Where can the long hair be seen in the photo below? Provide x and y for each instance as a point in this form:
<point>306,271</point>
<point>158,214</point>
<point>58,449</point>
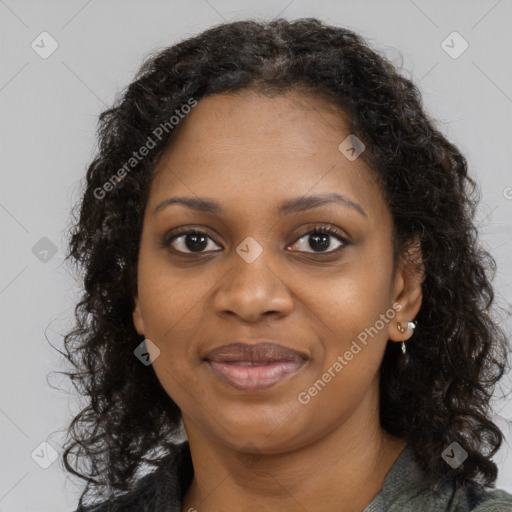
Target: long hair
<point>439,395</point>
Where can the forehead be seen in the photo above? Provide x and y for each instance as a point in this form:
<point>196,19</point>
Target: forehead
<point>263,151</point>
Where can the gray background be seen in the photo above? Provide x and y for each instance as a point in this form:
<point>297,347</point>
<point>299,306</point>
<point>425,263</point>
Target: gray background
<point>48,115</point>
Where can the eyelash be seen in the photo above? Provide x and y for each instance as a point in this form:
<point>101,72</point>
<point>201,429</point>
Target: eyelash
<point>324,229</point>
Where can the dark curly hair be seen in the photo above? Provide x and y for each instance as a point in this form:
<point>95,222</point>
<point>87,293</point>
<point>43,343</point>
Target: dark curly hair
<point>439,393</point>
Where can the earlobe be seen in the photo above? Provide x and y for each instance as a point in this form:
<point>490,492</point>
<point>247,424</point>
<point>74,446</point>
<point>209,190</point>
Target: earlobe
<point>138,321</point>
<point>401,329</point>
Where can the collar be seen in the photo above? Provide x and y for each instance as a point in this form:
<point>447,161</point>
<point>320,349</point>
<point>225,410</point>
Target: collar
<point>402,484</point>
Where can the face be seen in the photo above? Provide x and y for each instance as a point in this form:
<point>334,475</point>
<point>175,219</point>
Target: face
<point>255,269</point>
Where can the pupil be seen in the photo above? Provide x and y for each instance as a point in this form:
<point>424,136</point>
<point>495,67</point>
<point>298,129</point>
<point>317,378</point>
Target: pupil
<point>321,241</point>
<point>198,242</point>
<point>195,245</point>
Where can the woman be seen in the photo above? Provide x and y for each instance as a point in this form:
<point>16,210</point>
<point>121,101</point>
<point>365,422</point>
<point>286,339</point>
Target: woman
<point>280,258</point>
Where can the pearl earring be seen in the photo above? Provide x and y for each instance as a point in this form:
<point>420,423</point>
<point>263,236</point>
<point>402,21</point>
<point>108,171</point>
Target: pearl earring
<point>410,327</point>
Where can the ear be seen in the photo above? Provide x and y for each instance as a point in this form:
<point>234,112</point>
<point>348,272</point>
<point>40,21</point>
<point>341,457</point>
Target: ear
<point>407,292</point>
<point>138,321</point>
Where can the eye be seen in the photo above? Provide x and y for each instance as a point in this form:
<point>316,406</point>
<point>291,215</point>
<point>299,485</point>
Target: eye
<point>190,241</point>
<point>193,240</point>
<point>320,238</point>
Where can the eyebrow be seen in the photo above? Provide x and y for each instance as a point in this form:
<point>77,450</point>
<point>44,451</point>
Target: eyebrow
<point>295,205</point>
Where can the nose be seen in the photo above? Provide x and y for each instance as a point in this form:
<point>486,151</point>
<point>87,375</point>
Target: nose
<point>253,290</point>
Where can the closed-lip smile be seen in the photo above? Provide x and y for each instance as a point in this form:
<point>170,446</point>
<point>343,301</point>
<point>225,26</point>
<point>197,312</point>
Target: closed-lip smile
<point>253,367</point>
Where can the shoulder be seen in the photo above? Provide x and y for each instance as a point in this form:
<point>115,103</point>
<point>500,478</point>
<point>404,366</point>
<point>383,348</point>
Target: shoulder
<point>447,497</point>
<point>495,500</point>
<point>473,497</point>
<point>407,487</point>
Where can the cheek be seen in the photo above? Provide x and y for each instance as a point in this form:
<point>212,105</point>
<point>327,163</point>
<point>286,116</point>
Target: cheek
<point>172,317</point>
<point>353,341</point>
<point>351,314</point>
<point>169,297</point>
<point>350,300</point>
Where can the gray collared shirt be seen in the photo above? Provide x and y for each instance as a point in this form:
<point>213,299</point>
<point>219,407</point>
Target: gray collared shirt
<point>402,491</point>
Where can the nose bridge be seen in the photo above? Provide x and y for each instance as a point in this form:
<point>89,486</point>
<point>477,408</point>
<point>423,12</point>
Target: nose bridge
<point>253,285</point>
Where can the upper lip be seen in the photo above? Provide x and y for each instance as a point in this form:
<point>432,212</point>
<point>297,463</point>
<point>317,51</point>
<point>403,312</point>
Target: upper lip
<point>262,352</point>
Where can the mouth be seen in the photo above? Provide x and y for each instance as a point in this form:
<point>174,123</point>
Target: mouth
<point>254,367</point>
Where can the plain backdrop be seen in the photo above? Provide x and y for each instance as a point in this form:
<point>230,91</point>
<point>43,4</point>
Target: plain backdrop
<point>48,117</point>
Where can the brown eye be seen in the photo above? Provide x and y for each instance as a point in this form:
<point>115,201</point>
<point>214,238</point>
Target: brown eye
<point>320,239</point>
<point>189,241</point>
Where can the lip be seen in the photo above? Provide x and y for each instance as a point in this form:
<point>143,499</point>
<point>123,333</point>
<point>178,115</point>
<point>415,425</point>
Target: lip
<point>254,367</point>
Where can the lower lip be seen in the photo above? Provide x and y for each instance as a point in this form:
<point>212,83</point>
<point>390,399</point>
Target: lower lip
<point>254,378</point>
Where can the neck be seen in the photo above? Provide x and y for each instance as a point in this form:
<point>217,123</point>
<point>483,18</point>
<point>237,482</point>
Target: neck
<point>341,471</point>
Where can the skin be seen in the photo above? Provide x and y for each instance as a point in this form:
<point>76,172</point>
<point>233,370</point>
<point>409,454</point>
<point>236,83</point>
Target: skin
<point>265,450</point>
